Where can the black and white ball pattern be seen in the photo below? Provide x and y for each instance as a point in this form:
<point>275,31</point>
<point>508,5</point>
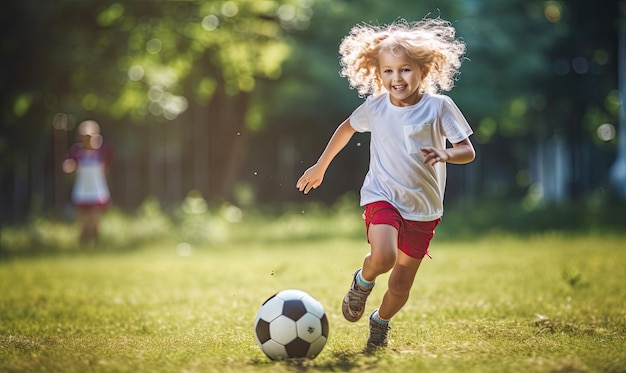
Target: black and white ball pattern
<point>291,324</point>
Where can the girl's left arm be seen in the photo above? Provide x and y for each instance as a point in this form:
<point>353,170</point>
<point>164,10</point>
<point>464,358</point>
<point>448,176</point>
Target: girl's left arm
<point>460,153</point>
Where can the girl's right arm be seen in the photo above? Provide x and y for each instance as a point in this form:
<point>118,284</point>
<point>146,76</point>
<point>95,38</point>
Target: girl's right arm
<point>312,178</point>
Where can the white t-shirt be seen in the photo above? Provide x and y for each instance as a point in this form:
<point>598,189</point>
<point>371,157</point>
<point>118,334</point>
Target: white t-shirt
<point>90,187</point>
<point>397,173</point>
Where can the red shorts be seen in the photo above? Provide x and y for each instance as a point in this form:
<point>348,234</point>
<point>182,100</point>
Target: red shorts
<point>413,236</point>
<point>83,208</point>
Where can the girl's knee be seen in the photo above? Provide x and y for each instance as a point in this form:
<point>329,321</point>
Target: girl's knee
<point>384,260</point>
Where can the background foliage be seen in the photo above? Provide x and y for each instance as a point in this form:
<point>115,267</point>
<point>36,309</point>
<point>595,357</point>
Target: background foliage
<point>232,100</point>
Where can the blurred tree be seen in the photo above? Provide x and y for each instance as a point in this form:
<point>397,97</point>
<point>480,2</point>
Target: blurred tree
<point>500,87</point>
<point>147,63</point>
<point>583,93</point>
<point>211,94</point>
<point>538,79</point>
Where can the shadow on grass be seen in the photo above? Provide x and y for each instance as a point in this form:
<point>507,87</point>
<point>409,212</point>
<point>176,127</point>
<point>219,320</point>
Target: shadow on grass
<point>339,361</point>
<point>345,361</point>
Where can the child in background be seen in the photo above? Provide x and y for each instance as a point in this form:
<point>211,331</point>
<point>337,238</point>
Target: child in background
<point>90,194</point>
<point>401,67</point>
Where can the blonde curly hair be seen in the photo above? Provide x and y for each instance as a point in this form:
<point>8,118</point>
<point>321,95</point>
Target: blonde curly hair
<point>430,42</point>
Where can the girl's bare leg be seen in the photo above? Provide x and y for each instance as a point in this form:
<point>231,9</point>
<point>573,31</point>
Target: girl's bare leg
<point>399,285</point>
<point>90,220</point>
<point>384,251</point>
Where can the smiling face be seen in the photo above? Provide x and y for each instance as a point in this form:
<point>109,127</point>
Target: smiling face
<point>401,77</point>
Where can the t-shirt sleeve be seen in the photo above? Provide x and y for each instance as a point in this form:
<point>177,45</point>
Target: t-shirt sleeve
<point>455,125</point>
<point>359,119</point>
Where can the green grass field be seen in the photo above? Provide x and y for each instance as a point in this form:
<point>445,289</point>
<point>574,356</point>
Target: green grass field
<point>546,303</point>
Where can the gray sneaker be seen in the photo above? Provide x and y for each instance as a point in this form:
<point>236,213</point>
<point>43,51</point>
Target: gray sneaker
<point>378,336</point>
<point>354,302</point>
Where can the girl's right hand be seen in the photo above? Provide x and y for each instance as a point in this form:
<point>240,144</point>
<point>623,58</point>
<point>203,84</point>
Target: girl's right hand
<point>311,178</point>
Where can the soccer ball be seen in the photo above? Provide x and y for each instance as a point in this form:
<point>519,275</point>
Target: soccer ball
<point>291,324</point>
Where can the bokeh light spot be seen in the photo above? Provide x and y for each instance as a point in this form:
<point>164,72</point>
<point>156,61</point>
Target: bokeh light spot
<point>60,121</point>
<point>136,73</point>
<point>22,104</point>
<point>230,9</point>
<point>210,22</point>
<point>183,249</point>
<point>155,93</point>
<point>153,46</point>
<point>601,57</point>
<point>110,15</point>
<point>90,101</point>
<point>553,11</point>
<point>606,132</point>
<point>233,214</point>
<point>612,102</point>
<point>286,12</point>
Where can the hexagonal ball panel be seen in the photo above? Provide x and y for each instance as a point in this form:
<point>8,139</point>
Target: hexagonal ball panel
<point>283,330</point>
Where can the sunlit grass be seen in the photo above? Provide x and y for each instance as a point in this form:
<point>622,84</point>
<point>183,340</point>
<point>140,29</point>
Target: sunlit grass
<point>542,303</point>
<point>194,222</point>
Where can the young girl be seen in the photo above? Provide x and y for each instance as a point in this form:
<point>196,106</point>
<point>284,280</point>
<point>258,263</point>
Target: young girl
<point>401,67</point>
<point>90,159</point>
